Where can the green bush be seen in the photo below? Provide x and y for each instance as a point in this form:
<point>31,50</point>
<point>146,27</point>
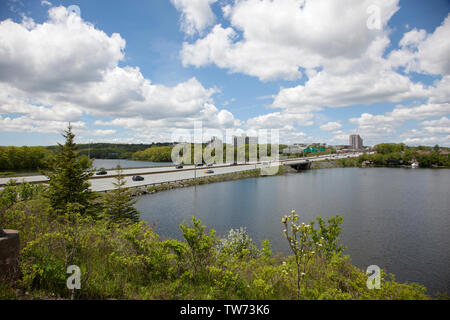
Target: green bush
<point>201,245</point>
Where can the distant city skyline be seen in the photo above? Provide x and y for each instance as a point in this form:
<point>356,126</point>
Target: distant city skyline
<point>133,72</point>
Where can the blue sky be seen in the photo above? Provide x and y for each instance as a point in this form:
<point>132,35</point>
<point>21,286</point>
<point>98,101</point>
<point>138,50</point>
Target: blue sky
<point>137,71</point>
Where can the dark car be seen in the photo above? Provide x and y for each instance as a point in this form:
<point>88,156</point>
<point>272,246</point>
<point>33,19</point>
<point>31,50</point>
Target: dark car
<point>138,178</point>
<point>179,166</point>
<point>101,173</point>
<point>209,171</point>
<point>199,165</point>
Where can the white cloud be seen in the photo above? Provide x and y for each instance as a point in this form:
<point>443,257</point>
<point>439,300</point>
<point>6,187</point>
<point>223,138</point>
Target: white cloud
<point>103,133</point>
<point>330,126</point>
<point>278,37</point>
<point>196,15</point>
<point>229,101</point>
<point>56,54</point>
<point>424,111</point>
<point>280,120</point>
<point>444,121</point>
<point>26,124</point>
<point>440,92</point>
<point>356,88</point>
<point>210,116</point>
<point>18,104</point>
<point>437,130</point>
<point>65,67</point>
<point>385,126</point>
<point>366,81</point>
<point>274,39</point>
<point>443,140</point>
<point>425,53</point>
<point>401,114</point>
<point>440,126</point>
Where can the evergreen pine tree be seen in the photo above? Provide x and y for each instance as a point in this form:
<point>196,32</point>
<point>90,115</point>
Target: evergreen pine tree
<point>68,177</point>
<point>119,203</point>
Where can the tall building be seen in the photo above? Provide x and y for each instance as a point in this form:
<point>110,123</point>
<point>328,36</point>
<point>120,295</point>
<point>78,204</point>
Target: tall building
<point>356,142</point>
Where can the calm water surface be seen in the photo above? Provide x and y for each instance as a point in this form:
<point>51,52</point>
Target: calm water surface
<point>112,163</point>
<point>398,219</point>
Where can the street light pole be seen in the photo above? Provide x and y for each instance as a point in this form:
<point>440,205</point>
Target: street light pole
<point>195,170</point>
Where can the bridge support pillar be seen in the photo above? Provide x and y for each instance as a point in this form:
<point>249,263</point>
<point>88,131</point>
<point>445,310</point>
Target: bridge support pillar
<point>9,255</point>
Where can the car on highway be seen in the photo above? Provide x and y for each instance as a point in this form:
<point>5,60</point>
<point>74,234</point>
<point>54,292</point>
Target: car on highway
<point>209,171</point>
<point>179,166</point>
<point>199,165</point>
<point>137,178</point>
<point>209,165</point>
<point>101,173</point>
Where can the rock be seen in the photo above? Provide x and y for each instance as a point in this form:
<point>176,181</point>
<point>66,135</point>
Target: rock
<point>9,255</point>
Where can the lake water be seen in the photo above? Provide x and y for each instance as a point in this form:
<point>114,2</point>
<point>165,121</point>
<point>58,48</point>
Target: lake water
<point>112,163</point>
<point>398,219</point>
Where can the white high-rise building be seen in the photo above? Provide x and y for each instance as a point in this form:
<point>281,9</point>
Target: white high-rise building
<point>356,142</point>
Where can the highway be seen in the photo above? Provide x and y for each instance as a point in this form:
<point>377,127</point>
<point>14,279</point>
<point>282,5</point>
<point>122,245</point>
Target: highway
<point>157,175</point>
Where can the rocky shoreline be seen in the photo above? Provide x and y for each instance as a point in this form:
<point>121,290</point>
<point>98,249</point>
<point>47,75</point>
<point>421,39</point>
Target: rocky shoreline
<point>254,173</point>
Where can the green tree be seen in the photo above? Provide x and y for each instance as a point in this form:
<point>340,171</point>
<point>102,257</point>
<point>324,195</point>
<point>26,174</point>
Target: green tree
<point>8,196</point>
<point>328,235</point>
<point>407,156</point>
<point>69,177</point>
<point>119,203</point>
<point>301,242</point>
<point>155,154</point>
<point>201,245</point>
<point>436,148</point>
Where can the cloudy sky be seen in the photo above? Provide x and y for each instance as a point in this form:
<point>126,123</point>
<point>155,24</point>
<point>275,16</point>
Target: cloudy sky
<point>136,71</point>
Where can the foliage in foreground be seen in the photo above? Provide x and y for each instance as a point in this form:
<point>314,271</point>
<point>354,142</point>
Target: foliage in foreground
<point>130,261</point>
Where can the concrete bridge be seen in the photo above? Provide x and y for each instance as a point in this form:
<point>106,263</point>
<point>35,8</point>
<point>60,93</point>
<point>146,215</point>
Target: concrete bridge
<point>299,165</point>
<point>158,175</point>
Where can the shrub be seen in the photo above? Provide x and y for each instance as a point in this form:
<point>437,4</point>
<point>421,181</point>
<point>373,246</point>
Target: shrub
<point>238,243</point>
<point>201,245</point>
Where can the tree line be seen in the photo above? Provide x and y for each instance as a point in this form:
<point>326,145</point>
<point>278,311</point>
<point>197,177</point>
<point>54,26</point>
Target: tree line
<point>24,158</point>
<point>37,158</point>
<point>401,154</point>
<point>112,150</point>
<point>164,153</point>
